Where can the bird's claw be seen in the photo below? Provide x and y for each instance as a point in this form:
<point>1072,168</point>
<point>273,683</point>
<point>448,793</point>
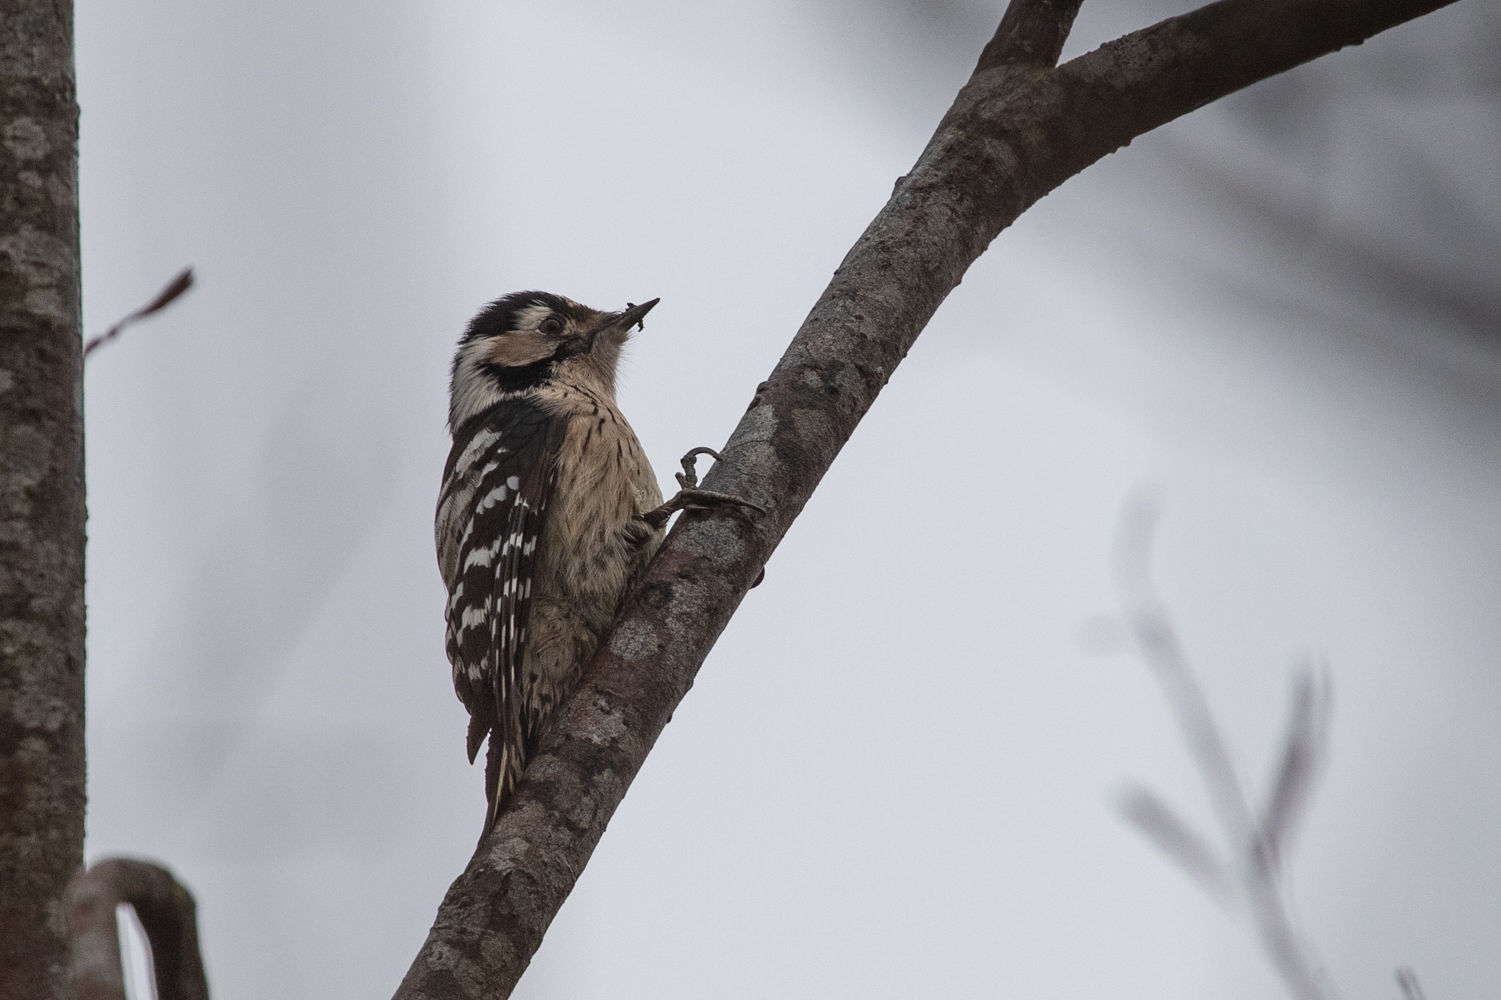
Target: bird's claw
<point>688,478</point>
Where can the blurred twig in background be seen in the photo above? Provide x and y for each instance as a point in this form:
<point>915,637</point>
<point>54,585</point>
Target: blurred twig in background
<point>164,298</point>
<point>1408,980</point>
<point>1253,876</point>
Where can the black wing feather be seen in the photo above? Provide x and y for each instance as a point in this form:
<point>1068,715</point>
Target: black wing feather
<point>490,601</point>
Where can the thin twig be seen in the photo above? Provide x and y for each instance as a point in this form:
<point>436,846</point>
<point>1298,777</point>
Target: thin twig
<point>163,299</point>
<point>1257,843</point>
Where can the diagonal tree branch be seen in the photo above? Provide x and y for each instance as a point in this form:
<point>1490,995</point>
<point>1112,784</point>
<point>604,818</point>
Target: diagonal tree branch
<point>167,914</point>
<point>1015,132</point>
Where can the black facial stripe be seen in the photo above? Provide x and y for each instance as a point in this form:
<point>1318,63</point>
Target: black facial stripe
<point>516,378</point>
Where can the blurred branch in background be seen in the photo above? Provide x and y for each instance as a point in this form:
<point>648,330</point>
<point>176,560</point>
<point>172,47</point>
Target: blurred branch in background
<point>1253,877</point>
<point>167,914</point>
<point>164,298</point>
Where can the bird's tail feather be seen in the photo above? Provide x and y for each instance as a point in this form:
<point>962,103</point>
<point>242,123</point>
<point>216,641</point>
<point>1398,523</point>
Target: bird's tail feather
<point>479,728</point>
<point>502,772</point>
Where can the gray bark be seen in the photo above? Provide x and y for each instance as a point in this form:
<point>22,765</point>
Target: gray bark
<point>1018,129</point>
<point>41,497</point>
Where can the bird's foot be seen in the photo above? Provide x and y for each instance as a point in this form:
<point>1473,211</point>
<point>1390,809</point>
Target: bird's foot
<point>690,496</point>
<point>696,500</point>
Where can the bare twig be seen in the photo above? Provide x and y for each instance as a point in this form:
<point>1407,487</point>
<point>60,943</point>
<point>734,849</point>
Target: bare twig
<point>163,299</point>
<point>1257,843</point>
<point>1014,133</point>
<point>167,915</point>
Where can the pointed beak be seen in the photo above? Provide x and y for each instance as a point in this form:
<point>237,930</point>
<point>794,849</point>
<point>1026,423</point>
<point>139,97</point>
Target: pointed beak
<point>618,326</point>
<point>633,315</point>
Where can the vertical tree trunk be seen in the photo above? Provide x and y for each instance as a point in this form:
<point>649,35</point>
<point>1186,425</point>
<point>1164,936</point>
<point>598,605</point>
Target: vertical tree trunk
<point>41,497</point>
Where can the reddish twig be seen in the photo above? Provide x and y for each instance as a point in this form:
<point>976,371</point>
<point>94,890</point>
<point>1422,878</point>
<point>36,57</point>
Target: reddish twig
<point>163,299</point>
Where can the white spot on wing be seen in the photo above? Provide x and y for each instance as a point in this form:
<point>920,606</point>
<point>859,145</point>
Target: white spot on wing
<point>492,498</point>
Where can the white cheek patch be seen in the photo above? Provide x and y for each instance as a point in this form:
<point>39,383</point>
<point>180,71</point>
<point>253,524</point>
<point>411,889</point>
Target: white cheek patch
<point>473,391</point>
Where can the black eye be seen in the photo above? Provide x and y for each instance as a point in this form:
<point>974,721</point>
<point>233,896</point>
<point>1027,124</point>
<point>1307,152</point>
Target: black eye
<point>551,326</point>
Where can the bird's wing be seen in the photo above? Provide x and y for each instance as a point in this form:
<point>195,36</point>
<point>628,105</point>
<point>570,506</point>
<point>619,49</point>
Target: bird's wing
<point>511,460</point>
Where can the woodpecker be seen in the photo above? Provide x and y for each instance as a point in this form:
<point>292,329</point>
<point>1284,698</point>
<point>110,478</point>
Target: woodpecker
<point>548,514</point>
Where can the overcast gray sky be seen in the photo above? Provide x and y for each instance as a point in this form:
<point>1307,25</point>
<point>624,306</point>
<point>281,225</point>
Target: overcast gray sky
<point>894,775</point>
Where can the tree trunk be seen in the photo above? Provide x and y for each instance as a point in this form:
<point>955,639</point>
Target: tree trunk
<point>41,497</point>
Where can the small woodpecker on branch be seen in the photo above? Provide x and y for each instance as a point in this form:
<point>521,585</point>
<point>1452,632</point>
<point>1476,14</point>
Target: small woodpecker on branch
<point>548,515</point>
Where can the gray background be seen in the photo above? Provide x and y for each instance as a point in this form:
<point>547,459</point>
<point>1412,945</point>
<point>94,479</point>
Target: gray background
<point>894,775</point>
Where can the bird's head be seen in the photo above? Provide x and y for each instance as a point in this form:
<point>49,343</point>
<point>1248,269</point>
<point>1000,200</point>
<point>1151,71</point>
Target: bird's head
<point>528,339</point>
